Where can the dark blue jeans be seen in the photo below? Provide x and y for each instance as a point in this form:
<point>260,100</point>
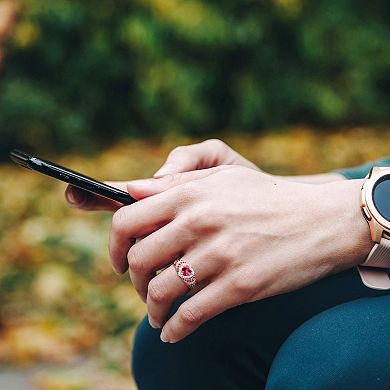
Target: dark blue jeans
<point>333,334</point>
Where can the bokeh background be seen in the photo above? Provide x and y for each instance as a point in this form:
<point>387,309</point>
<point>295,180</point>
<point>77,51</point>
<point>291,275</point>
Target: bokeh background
<point>109,88</point>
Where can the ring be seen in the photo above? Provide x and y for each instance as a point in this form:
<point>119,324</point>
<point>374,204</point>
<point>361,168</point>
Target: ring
<point>185,272</point>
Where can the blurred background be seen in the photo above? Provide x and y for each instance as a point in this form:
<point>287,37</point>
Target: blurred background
<point>109,88</point>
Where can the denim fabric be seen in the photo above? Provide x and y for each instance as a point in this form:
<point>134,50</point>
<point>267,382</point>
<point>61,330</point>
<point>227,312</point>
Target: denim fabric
<point>361,171</point>
<point>345,347</point>
<point>235,350</point>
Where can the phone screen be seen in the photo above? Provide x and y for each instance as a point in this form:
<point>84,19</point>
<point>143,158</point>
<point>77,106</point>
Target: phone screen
<point>69,176</point>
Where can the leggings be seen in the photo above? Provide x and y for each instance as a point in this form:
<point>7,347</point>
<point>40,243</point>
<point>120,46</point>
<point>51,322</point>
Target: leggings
<point>332,334</point>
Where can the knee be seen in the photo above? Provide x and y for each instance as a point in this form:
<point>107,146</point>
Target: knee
<point>341,348</point>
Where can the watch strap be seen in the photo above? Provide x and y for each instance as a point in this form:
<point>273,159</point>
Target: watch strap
<point>379,255</point>
<point>372,270</point>
<point>375,278</point>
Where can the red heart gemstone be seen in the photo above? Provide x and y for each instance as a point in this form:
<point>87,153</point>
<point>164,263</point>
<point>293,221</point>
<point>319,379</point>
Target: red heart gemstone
<point>186,270</point>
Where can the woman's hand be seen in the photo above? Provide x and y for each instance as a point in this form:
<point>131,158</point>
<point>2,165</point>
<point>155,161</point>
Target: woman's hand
<point>206,154</point>
<point>246,234</point>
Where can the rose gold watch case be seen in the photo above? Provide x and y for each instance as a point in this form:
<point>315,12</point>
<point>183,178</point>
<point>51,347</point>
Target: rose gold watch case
<point>373,277</point>
<point>379,226</point>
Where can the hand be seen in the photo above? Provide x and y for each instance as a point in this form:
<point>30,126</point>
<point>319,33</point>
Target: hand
<point>247,235</point>
<point>207,154</point>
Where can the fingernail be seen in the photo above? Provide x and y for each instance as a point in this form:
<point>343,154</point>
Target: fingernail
<point>119,269</point>
<point>151,324</point>
<point>75,198</point>
<point>141,183</point>
<point>164,337</point>
<point>166,169</point>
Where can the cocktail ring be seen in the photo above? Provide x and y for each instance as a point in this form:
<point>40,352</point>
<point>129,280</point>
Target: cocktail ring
<point>185,272</point>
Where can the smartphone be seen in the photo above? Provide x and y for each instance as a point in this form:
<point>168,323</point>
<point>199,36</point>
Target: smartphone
<point>68,176</point>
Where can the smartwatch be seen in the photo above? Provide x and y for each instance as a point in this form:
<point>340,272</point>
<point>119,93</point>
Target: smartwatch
<point>375,204</point>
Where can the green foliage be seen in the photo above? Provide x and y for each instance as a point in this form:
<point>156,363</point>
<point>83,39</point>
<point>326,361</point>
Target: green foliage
<point>81,73</point>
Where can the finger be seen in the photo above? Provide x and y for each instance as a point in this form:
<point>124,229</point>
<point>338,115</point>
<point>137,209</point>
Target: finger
<point>165,288</point>
<point>206,154</point>
<point>85,200</point>
<point>151,213</point>
<point>207,303</point>
<point>137,221</point>
<point>154,252</point>
<point>140,189</point>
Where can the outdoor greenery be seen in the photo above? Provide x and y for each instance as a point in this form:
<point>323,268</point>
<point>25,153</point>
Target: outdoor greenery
<point>81,73</point>
<point>108,88</point>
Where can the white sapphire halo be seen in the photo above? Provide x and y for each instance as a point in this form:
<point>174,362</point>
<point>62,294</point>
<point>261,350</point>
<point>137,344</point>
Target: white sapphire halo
<point>185,272</point>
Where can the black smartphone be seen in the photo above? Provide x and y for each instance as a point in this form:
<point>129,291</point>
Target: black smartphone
<point>71,177</point>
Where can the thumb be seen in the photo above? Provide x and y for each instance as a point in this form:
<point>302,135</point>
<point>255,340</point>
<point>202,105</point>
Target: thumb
<point>181,159</point>
<point>140,189</point>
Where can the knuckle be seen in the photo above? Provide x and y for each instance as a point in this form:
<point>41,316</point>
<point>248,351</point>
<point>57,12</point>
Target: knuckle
<point>216,143</point>
<point>135,260</point>
<point>201,220</point>
<point>192,221</point>
<point>118,220</point>
<point>240,286</point>
<point>202,217</point>
<point>191,315</point>
<point>157,292</point>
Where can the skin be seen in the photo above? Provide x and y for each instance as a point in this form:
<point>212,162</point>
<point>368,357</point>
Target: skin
<point>247,234</point>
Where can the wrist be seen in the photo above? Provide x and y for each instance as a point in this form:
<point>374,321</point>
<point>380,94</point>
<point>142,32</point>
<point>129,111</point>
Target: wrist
<point>353,233</point>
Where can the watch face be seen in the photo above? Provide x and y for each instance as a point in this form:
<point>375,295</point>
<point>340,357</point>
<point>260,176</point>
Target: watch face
<point>381,197</point>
